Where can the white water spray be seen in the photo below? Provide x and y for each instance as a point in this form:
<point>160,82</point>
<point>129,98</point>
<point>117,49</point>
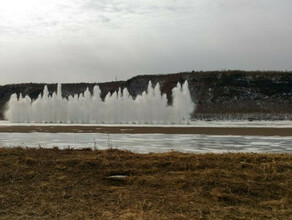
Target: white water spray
<point>119,108</point>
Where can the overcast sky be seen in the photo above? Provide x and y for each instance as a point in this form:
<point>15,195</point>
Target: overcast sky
<point>97,40</point>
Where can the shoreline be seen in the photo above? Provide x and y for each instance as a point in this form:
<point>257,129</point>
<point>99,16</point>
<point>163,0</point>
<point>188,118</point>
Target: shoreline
<point>246,131</point>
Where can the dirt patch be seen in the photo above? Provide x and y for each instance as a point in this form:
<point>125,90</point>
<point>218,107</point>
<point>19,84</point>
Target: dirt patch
<point>78,184</point>
<point>255,131</point>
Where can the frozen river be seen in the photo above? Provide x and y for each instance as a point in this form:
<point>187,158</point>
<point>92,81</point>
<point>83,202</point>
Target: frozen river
<point>154,142</point>
<point>145,143</point>
<point>197,123</point>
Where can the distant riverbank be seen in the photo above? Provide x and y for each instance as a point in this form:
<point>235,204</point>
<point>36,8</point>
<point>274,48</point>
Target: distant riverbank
<point>233,94</point>
<point>250,131</point>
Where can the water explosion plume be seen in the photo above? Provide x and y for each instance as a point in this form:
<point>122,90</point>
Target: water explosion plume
<point>118,108</point>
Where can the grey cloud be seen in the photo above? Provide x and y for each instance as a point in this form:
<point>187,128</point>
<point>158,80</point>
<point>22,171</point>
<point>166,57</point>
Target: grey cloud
<point>98,40</point>
<point>105,19</point>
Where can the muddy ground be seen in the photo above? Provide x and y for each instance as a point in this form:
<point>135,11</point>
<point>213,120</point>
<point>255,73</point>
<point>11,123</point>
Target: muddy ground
<point>254,131</point>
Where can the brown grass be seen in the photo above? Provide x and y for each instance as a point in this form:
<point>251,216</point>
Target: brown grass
<point>75,184</point>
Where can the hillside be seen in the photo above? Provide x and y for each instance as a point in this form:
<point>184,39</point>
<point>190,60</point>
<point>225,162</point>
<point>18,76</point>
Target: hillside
<point>218,94</point>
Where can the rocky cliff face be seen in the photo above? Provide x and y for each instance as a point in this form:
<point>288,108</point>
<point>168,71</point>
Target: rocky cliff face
<point>218,94</point>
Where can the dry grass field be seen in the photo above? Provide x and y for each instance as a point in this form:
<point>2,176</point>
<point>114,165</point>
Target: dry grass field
<point>78,184</point>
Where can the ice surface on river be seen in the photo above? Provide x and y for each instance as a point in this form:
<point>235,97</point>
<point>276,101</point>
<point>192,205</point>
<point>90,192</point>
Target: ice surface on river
<point>148,108</point>
<point>193,123</point>
<point>145,143</point>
